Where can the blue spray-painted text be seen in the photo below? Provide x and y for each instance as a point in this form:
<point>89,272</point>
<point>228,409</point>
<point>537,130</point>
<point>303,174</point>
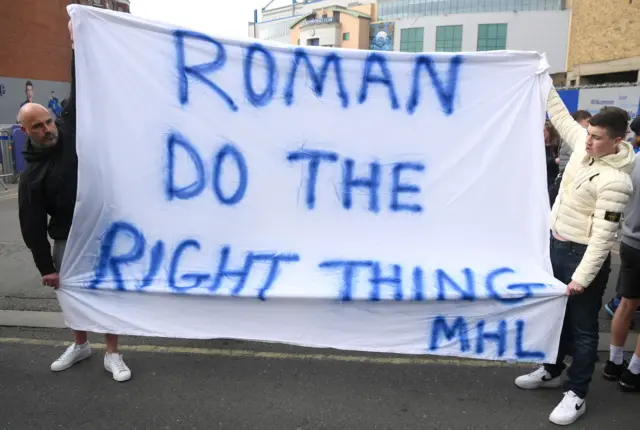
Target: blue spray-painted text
<point>124,246</point>
<point>401,190</point>
<point>376,78</point>
<point>448,330</point>
<point>113,260</point>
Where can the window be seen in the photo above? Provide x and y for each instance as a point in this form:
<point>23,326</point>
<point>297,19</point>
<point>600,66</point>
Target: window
<point>324,15</point>
<point>449,38</point>
<point>336,16</point>
<point>412,39</point>
<point>403,9</point>
<point>345,36</point>
<point>492,37</point>
<point>313,42</point>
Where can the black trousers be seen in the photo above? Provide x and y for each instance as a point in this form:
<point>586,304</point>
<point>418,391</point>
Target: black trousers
<point>579,336</point>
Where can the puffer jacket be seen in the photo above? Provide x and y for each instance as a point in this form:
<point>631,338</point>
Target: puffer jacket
<point>593,193</point>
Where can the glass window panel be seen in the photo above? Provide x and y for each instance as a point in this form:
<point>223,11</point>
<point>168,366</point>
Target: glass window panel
<point>458,32</point>
<point>482,31</point>
<point>502,30</point>
<point>492,32</point>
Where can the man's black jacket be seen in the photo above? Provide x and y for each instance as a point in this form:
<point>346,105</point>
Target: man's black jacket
<point>48,187</point>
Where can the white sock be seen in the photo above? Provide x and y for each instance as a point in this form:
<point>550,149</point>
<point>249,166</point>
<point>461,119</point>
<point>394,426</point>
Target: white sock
<point>634,366</point>
<point>616,354</point>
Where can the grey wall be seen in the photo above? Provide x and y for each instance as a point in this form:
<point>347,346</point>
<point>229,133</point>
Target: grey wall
<point>13,95</point>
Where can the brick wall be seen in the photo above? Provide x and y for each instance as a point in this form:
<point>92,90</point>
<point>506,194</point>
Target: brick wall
<point>35,40</point>
<point>603,30</point>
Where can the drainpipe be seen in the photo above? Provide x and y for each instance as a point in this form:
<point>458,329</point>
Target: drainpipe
<point>255,23</point>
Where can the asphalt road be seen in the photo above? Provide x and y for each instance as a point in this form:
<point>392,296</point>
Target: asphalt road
<point>201,388</point>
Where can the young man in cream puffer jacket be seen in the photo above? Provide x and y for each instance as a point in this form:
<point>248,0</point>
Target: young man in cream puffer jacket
<point>584,220</point>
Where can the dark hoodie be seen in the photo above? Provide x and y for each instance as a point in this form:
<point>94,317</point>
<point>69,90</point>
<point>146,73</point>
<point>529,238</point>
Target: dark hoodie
<point>48,187</point>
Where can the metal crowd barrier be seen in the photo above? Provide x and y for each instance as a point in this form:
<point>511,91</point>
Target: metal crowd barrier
<point>7,161</point>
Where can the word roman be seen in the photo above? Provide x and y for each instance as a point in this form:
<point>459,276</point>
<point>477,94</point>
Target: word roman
<point>446,286</point>
<point>375,71</point>
<point>460,328</point>
<point>230,156</point>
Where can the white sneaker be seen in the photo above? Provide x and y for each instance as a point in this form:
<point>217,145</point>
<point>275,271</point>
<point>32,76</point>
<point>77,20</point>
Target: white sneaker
<point>538,379</point>
<point>113,363</point>
<point>569,410</point>
<point>71,356</point>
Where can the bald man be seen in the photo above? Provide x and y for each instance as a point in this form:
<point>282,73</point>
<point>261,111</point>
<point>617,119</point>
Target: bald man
<point>48,188</point>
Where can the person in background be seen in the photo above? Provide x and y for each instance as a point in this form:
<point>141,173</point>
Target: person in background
<point>635,127</point>
<point>582,117</point>
<point>594,191</point>
<point>613,304</point>
<point>551,143</point>
<point>48,187</point>
<point>628,291</point>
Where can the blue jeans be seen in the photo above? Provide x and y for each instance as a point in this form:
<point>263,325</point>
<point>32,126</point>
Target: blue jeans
<point>579,336</point>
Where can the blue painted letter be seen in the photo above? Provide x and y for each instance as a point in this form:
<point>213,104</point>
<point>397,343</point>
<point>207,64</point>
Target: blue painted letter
<point>229,150</point>
<point>196,278</point>
<point>386,79</point>
<point>418,284</point>
<point>263,98</point>
<point>223,272</point>
<point>468,293</point>
<point>199,71</point>
<point>527,288</point>
<point>274,268</point>
<point>520,351</point>
<point>157,255</point>
<point>348,272</point>
<point>372,184</point>
<point>314,157</point>
<point>377,279</point>
<point>397,187</point>
<point>447,95</point>
<point>317,80</point>
<point>499,337</point>
<point>188,191</point>
<point>108,261</point>
<point>440,326</point>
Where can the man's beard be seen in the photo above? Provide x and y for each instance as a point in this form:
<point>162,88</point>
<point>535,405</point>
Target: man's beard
<point>48,141</point>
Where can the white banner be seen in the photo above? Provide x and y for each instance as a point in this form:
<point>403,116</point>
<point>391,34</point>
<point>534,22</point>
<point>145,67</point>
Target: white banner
<point>358,200</point>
